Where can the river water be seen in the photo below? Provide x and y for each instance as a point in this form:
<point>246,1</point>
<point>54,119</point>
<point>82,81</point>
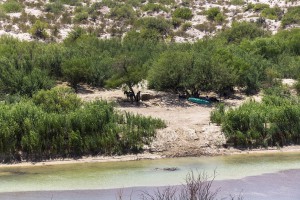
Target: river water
<point>232,171</point>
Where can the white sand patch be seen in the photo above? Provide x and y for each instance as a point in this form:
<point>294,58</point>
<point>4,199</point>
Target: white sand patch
<point>64,32</point>
<point>195,33</point>
<point>20,36</point>
<point>34,12</point>
<point>17,15</point>
<point>288,82</point>
<point>105,10</point>
<point>198,19</point>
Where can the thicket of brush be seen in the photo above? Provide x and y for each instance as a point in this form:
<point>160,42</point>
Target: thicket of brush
<point>273,122</point>
<point>55,123</point>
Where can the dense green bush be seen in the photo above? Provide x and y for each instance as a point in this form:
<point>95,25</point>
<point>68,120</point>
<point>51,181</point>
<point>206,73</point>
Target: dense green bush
<point>272,13</point>
<point>159,24</point>
<point>68,2</point>
<point>58,100</point>
<point>214,14</point>
<point>154,7</point>
<point>183,13</point>
<point>243,30</point>
<point>95,128</point>
<point>56,7</point>
<point>19,74</point>
<point>38,30</point>
<point>292,16</point>
<point>163,2</point>
<point>170,71</point>
<point>123,12</point>
<point>2,13</point>
<point>80,17</point>
<point>260,6</point>
<point>273,122</point>
<point>237,2</point>
<point>11,6</point>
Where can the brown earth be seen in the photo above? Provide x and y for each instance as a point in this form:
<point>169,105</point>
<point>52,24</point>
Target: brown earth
<point>188,132</point>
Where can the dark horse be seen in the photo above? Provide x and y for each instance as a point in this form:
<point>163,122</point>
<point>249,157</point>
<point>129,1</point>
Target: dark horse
<point>130,95</point>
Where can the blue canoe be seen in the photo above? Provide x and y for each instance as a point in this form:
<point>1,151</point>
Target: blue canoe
<point>199,101</point>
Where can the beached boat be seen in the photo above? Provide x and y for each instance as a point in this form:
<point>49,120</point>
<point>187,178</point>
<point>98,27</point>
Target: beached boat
<point>199,101</point>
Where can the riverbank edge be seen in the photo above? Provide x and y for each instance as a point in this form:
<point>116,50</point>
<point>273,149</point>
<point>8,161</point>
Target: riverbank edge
<point>241,187</point>
<point>150,156</point>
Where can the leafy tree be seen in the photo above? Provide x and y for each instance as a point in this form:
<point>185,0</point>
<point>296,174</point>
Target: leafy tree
<point>132,63</point>
<point>18,71</point>
<point>75,70</point>
<point>171,71</point>
<point>14,80</point>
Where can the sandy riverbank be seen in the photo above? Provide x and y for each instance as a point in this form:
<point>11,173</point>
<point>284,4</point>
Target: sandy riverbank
<point>148,156</point>
<point>189,132</point>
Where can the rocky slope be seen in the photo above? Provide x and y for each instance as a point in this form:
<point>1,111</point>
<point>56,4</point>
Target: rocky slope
<point>53,20</point>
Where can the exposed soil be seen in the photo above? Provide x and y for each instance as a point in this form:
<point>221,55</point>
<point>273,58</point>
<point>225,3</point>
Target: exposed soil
<point>188,132</point>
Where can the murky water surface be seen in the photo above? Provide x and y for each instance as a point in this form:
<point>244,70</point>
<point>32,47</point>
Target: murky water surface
<point>140,173</point>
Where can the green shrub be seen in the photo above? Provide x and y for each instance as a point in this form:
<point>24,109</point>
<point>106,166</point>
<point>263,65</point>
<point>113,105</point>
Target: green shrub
<point>237,2</point>
<point>249,6</point>
<point>154,7</point>
<point>11,6</point>
<point>183,13</point>
<point>297,87</point>
<point>274,121</point>
<point>164,2</point>
<point>75,70</point>
<point>186,26</point>
<point>135,3</point>
<point>217,114</point>
<point>272,13</point>
<point>58,100</point>
<point>56,7</point>
<point>18,73</point>
<point>292,16</point>
<point>68,2</point>
<point>109,3</point>
<point>92,129</point>
<point>214,14</point>
<point>243,30</point>
<point>38,30</point>
<point>26,83</point>
<point>124,12</point>
<point>2,13</point>
<point>159,24</point>
<point>80,17</point>
<point>260,6</point>
<point>94,7</point>
<point>176,22</point>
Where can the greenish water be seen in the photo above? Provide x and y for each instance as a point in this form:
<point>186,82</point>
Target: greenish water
<point>86,176</point>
